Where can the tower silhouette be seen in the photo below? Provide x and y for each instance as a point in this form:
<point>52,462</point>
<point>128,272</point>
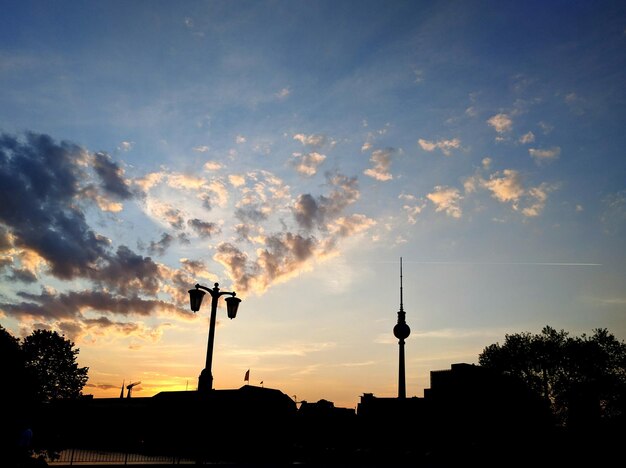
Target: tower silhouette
<point>401,331</point>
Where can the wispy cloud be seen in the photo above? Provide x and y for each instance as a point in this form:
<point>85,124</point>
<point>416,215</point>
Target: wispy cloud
<point>313,140</point>
<point>412,206</point>
<point>381,160</point>
<point>307,164</point>
<point>542,155</point>
<point>283,93</point>
<point>527,138</point>
<point>445,146</point>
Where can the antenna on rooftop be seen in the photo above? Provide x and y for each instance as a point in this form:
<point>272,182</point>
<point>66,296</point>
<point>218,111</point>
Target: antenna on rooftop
<point>130,386</point>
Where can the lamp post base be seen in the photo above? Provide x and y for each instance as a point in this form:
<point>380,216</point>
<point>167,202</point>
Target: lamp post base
<point>205,381</point>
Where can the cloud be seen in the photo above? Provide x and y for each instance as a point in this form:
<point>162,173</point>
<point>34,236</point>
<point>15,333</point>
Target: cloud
<point>211,166</point>
<point>103,202</point>
<point>446,199</point>
<point>111,176</point>
<point>310,211</point>
<point>412,206</point>
<point>22,275</point>
<point>201,149</point>
<point>185,181</point>
<point>148,181</point>
<point>541,155</point>
<point>613,215</point>
<point>209,190</point>
<point>236,180</point>
<point>527,138</point>
<point>239,139</point>
<point>446,146</point>
<point>125,146</point>
<point>255,213</point>
<point>501,123</point>
<point>307,164</point>
<point>41,181</point>
<point>546,127</point>
<point>20,265</point>
<point>204,228</point>
<point>159,247</point>
<point>166,213</point>
<point>252,233</point>
<point>277,257</point>
<point>283,93</point>
<point>315,140</point>
<point>50,305</point>
<point>351,225</point>
<point>284,256</point>
<point>192,266</point>
<point>539,196</point>
<point>128,273</point>
<point>92,329</point>
<point>45,230</point>
<point>102,386</point>
<point>307,212</point>
<point>505,186</point>
<point>381,160</point>
<point>575,103</point>
<point>219,190</point>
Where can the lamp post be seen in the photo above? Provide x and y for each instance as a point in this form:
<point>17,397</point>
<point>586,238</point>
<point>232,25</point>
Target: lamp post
<point>205,381</point>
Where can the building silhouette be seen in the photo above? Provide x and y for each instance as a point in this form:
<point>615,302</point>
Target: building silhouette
<point>466,407</point>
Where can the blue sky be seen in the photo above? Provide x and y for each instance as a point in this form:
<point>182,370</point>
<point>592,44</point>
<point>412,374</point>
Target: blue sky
<point>294,151</point>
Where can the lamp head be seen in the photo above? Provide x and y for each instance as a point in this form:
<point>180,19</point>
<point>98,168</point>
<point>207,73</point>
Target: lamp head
<point>232,304</point>
<point>195,299</point>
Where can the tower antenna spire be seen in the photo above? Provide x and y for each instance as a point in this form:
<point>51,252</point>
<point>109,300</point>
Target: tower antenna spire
<point>401,308</point>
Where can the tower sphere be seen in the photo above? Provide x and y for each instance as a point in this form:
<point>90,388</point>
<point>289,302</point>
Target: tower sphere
<point>401,331</point>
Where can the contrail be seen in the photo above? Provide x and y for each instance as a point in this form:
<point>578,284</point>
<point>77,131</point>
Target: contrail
<point>419,262</point>
<point>508,263</point>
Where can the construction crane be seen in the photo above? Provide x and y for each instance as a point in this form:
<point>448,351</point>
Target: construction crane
<point>129,387</point>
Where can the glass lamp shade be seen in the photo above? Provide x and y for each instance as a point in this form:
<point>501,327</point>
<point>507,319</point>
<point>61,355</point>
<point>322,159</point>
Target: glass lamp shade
<point>195,299</point>
<point>232,304</point>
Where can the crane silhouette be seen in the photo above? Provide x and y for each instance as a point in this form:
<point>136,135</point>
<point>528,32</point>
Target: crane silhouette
<point>130,386</point>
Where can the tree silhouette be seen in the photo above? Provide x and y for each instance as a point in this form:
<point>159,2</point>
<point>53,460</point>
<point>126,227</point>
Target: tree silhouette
<point>583,378</point>
<point>12,366</point>
<point>18,393</point>
<point>52,360</point>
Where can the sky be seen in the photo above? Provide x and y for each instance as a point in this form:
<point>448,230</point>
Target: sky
<point>293,152</point>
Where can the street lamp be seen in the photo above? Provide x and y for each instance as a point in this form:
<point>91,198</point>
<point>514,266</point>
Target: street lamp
<point>205,381</point>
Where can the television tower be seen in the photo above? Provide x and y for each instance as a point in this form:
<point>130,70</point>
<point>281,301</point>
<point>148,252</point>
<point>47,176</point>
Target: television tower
<point>401,331</point>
